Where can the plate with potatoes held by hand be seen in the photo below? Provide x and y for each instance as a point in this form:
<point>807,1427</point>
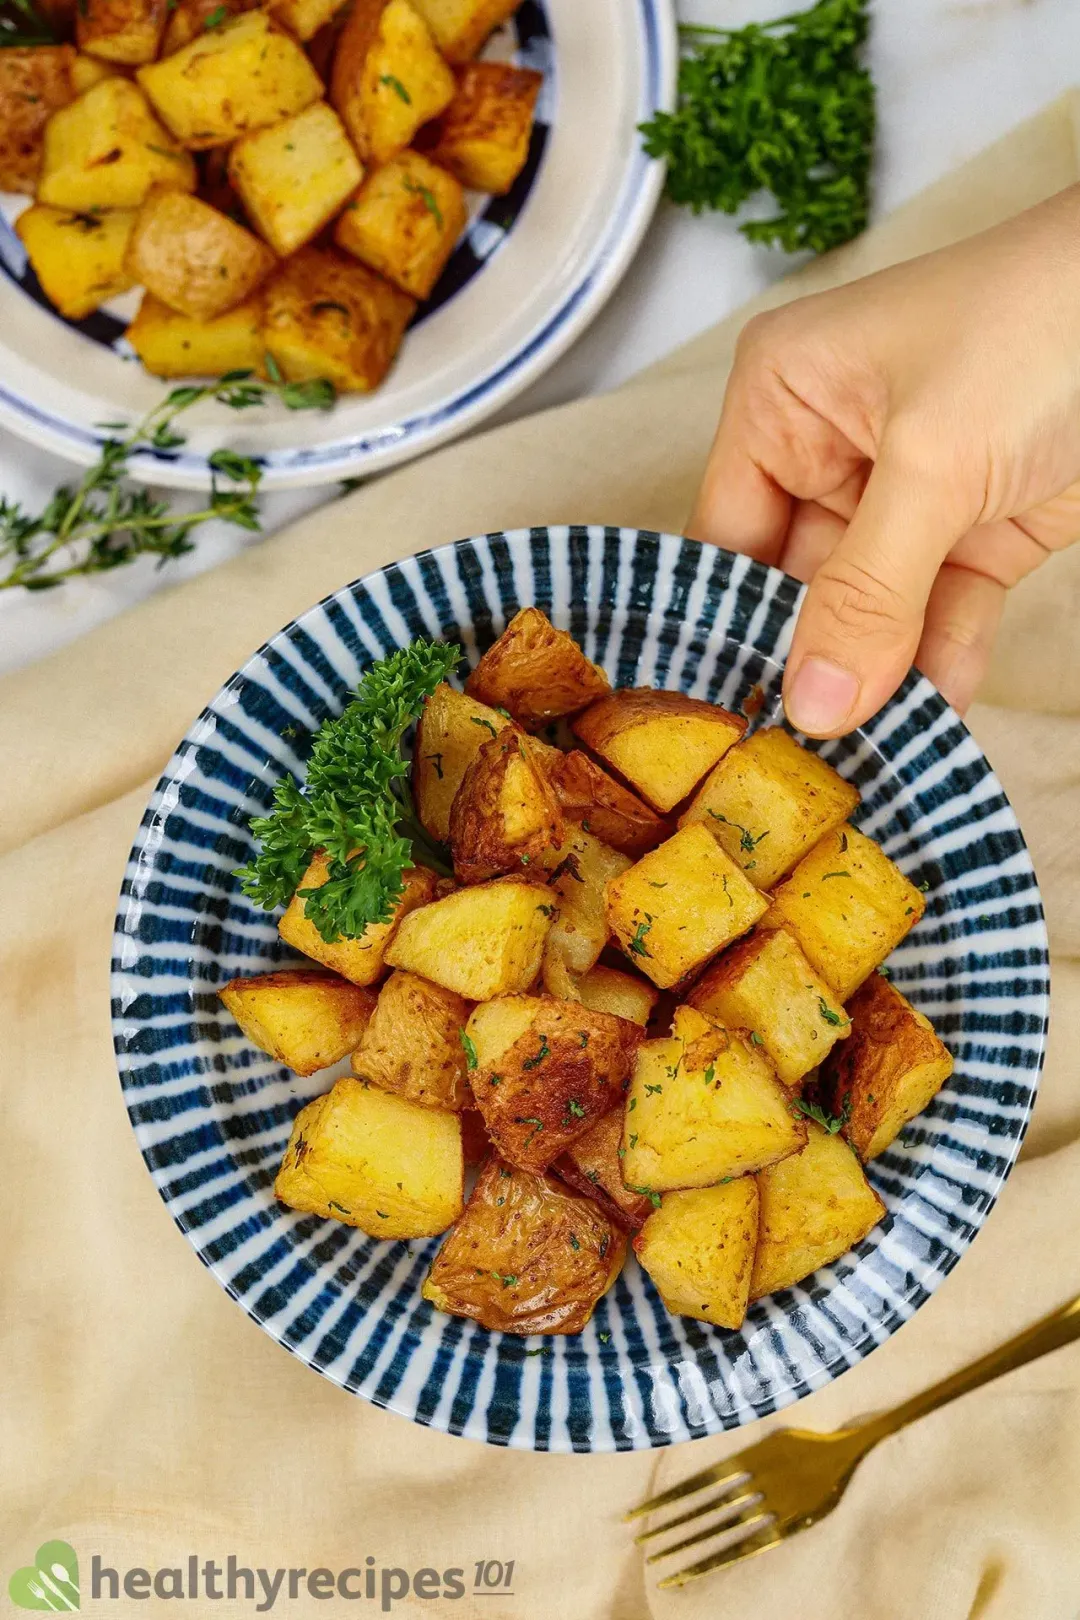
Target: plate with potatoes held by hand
<point>541,1040</point>
<point>383,199</point>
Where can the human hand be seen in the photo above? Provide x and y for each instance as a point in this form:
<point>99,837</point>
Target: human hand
<point>910,446</point>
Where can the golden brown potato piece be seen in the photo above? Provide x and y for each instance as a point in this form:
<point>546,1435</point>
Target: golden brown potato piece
<point>359,960</point>
<point>505,814</point>
<point>34,82</point>
<point>86,71</point>
<point>766,985</point>
<point>460,27</point>
<point>304,18</point>
<point>579,872</point>
<point>536,672</point>
<point>192,258</point>
<point>848,906</point>
<point>123,31</point>
<point>886,1071</point>
<point>306,1020</point>
<point>483,136</point>
<point>593,799</point>
<point>679,905</point>
<point>698,1248</point>
<point>814,1207</point>
<point>593,1166</point>
<point>369,1159</point>
<point>768,802</point>
<point>188,20</point>
<point>107,149</point>
<point>80,259</point>
<point>663,743</point>
<point>607,990</point>
<point>293,177</point>
<point>413,1043</point>
<point>527,1256</point>
<point>243,75</point>
<point>404,222</point>
<point>326,316</point>
<point>557,1077</point>
<point>451,732</point>
<point>172,345</point>
<point>704,1103</point>
<point>482,942</point>
<point>474,1137</point>
<point>388,77</point>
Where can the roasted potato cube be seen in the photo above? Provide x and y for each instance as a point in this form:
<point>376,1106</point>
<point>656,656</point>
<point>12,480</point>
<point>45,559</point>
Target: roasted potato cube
<point>124,31</point>
<point>593,799</point>
<point>768,802</point>
<point>558,1076</point>
<point>293,177</point>
<point>483,136</point>
<point>192,257</point>
<point>304,18</point>
<point>228,80</point>
<point>107,149</point>
<point>698,1248</point>
<point>661,742</point>
<point>172,345</point>
<point>536,672</point>
<point>580,870</point>
<point>80,259</point>
<point>413,1043</point>
<point>607,990</point>
<point>704,1103</point>
<point>460,27</point>
<point>452,730</point>
<point>527,1256</point>
<point>326,316</point>
<point>848,906</point>
<point>34,82</point>
<point>679,905</point>
<point>188,20</point>
<point>505,814</point>
<point>766,985</point>
<point>888,1069</point>
<point>388,78</point>
<point>404,221</point>
<point>359,960</point>
<point>376,1161</point>
<point>593,1165</point>
<point>86,71</point>
<point>814,1207</point>
<point>495,1025</point>
<point>306,1020</point>
<point>482,942</point>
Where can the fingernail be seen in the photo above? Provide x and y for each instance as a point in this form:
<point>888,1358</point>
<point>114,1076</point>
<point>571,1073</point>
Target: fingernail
<point>820,696</point>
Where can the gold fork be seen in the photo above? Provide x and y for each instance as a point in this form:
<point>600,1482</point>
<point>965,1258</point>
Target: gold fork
<point>793,1478</point>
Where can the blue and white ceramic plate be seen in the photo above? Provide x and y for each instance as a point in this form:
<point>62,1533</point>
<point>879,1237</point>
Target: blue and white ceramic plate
<point>531,271</point>
<point>212,1115</point>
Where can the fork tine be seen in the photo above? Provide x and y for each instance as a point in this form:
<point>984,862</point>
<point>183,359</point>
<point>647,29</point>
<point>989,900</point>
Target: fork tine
<point>721,1473</point>
<point>747,1546</point>
<point>723,1498</point>
<point>730,1519</point>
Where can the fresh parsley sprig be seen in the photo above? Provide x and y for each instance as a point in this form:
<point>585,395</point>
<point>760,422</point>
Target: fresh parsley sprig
<point>22,24</point>
<point>99,525</point>
<point>784,107</point>
<point>355,803</point>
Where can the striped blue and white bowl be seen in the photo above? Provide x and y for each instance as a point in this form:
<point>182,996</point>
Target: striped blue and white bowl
<point>212,1115</point>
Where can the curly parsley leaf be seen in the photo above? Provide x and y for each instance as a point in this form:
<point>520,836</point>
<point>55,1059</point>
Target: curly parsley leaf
<point>785,108</point>
<point>355,803</point>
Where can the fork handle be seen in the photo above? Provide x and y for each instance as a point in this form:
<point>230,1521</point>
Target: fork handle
<point>1061,1327</point>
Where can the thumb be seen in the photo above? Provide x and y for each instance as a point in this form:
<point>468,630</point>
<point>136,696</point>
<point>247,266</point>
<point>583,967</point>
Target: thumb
<point>862,618</point>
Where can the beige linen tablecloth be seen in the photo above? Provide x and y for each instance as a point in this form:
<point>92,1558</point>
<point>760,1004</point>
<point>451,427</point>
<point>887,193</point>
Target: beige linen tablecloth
<point>145,1418</point>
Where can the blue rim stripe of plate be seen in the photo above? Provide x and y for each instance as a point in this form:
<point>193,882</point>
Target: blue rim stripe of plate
<point>212,1114</point>
<point>657,48</point>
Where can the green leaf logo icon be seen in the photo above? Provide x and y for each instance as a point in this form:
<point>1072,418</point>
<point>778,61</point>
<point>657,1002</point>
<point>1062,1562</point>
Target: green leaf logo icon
<point>51,1582</point>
